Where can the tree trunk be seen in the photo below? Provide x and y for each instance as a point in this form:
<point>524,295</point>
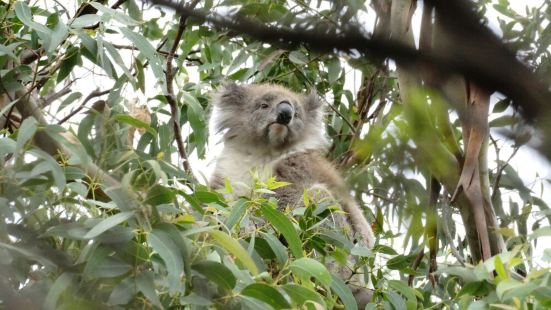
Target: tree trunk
<point>465,175</point>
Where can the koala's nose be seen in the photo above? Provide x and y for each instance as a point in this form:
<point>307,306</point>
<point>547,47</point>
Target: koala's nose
<point>284,112</point>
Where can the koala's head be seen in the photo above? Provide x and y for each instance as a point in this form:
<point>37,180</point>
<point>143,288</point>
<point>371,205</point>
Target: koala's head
<point>268,116</point>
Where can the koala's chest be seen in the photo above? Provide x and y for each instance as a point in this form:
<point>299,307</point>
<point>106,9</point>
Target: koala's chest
<point>242,169</point>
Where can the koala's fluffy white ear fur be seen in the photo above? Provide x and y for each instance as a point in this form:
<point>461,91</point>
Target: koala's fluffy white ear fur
<point>313,101</point>
<point>230,94</point>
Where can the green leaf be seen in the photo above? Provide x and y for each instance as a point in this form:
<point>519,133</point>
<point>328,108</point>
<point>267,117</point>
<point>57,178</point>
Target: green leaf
<point>507,285</point>
<point>541,232</point>
<point>7,106</point>
<point>161,243</point>
<point>341,289</point>
<point>58,36</point>
<point>502,121</point>
<point>404,289</point>
<point>109,13</point>
<point>398,262</point>
<point>301,295</point>
<point>146,285</point>
<point>196,300</point>
<point>361,251</point>
<point>237,212</point>
<point>51,164</point>
<point>384,249</point>
<point>177,237</point>
<point>127,119</point>
<point>217,273</point>
<point>123,293</point>
<point>60,285</point>
<point>24,14</point>
<point>159,194</point>
<point>306,267</point>
<point>8,50</point>
<point>233,246</point>
<point>500,268</point>
<point>396,300</point>
<point>501,105</point>
<point>68,63</point>
<point>133,10</point>
<point>7,146</point>
<point>118,60</point>
<point>277,247</point>
<point>196,117</point>
<point>333,70</point>
<point>477,288</point>
<point>298,58</point>
<point>284,226</point>
<point>107,267</point>
<point>67,101</point>
<point>149,52</point>
<point>108,223</point>
<point>85,21</point>
<point>238,61</point>
<point>25,133</point>
<point>267,294</point>
<point>140,74</point>
<point>29,254</point>
<point>206,196</point>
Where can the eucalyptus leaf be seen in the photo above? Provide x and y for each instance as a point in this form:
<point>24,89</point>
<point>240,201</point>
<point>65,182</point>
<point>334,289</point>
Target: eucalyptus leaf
<point>306,267</point>
<point>108,223</point>
<point>267,294</point>
<point>283,225</point>
<point>232,246</point>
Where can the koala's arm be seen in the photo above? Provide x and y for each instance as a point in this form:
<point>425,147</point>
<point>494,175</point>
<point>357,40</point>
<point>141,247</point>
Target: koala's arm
<point>306,169</point>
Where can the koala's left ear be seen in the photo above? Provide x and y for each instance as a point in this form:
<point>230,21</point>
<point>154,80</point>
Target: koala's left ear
<point>231,94</point>
<point>313,101</point>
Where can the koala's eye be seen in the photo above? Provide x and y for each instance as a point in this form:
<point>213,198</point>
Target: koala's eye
<point>264,106</point>
<point>296,114</point>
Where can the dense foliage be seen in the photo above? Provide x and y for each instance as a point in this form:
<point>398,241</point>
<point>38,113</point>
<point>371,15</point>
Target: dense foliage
<point>104,116</point>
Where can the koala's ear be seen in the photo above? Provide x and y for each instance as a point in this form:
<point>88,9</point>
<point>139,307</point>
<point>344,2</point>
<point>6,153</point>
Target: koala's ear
<point>313,101</point>
<point>231,94</point>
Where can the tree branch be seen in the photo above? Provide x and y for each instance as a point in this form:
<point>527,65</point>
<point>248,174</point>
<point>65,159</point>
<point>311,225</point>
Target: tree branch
<point>170,96</point>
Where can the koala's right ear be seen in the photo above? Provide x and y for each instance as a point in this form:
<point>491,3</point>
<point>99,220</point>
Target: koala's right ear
<point>313,101</point>
<point>230,94</point>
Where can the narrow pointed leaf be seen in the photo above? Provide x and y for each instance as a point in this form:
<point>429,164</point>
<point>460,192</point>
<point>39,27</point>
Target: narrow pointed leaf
<point>267,294</point>
<point>232,246</point>
<point>108,223</point>
<point>283,225</point>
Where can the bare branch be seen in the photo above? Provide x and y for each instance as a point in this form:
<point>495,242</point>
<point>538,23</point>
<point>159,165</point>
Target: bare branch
<point>415,264</point>
<point>95,93</point>
<point>53,97</point>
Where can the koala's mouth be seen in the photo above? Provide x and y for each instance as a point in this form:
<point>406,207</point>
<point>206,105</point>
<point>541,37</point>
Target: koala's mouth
<point>278,133</point>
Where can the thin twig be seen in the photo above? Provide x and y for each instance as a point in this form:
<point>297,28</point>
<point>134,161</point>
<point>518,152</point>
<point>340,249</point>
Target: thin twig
<point>500,169</point>
<point>415,264</point>
<point>171,97</point>
<point>53,97</point>
<point>117,4</point>
<point>95,93</point>
<point>447,234</point>
<point>64,8</point>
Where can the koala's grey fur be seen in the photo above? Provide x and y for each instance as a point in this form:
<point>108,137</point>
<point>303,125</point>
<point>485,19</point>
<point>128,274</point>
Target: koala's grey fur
<point>254,140</point>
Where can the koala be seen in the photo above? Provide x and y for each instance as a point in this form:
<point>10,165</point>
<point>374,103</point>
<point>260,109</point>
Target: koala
<point>276,132</point>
